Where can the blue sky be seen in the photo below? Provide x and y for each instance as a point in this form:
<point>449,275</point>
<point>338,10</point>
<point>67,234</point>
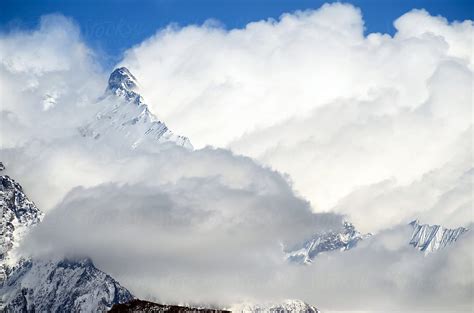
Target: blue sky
<point>111,27</point>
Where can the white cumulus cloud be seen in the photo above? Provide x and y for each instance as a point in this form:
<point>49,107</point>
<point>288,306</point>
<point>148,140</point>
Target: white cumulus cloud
<point>312,96</point>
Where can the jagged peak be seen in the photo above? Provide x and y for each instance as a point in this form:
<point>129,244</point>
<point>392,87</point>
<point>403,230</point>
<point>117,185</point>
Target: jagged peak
<point>344,238</point>
<point>429,238</point>
<point>417,223</point>
<point>123,84</point>
<point>121,78</point>
<point>130,115</point>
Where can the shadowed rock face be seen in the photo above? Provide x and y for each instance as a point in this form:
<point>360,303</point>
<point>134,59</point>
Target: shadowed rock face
<point>123,84</point>
<point>146,306</point>
<point>121,78</point>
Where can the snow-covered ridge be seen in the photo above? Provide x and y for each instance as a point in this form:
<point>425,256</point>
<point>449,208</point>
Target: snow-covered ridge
<point>296,306</point>
<point>125,119</point>
<point>18,215</point>
<point>60,286</point>
<point>340,240</point>
<point>429,238</point>
<point>426,238</point>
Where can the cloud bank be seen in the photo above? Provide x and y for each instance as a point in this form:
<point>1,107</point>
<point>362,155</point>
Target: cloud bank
<point>373,128</point>
<point>174,244</point>
<point>313,97</point>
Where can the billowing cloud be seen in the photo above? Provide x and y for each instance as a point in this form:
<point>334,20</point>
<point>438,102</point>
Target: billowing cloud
<point>171,246</point>
<point>395,276</point>
<point>313,97</point>
<point>48,82</point>
<point>172,241</point>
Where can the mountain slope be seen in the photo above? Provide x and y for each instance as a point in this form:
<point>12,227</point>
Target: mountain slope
<point>61,286</point>
<point>18,215</point>
<point>430,238</point>
<point>125,119</point>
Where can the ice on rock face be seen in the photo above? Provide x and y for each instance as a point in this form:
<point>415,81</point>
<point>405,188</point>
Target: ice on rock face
<point>343,239</point>
<point>124,118</point>
<point>429,238</point>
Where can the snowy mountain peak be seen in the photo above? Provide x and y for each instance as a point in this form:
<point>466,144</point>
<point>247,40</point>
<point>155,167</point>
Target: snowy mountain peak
<point>123,84</point>
<point>125,118</point>
<point>429,238</point>
<point>342,239</point>
<point>121,78</point>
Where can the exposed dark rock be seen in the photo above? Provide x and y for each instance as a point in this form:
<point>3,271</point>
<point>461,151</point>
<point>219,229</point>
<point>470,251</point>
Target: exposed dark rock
<point>146,306</point>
